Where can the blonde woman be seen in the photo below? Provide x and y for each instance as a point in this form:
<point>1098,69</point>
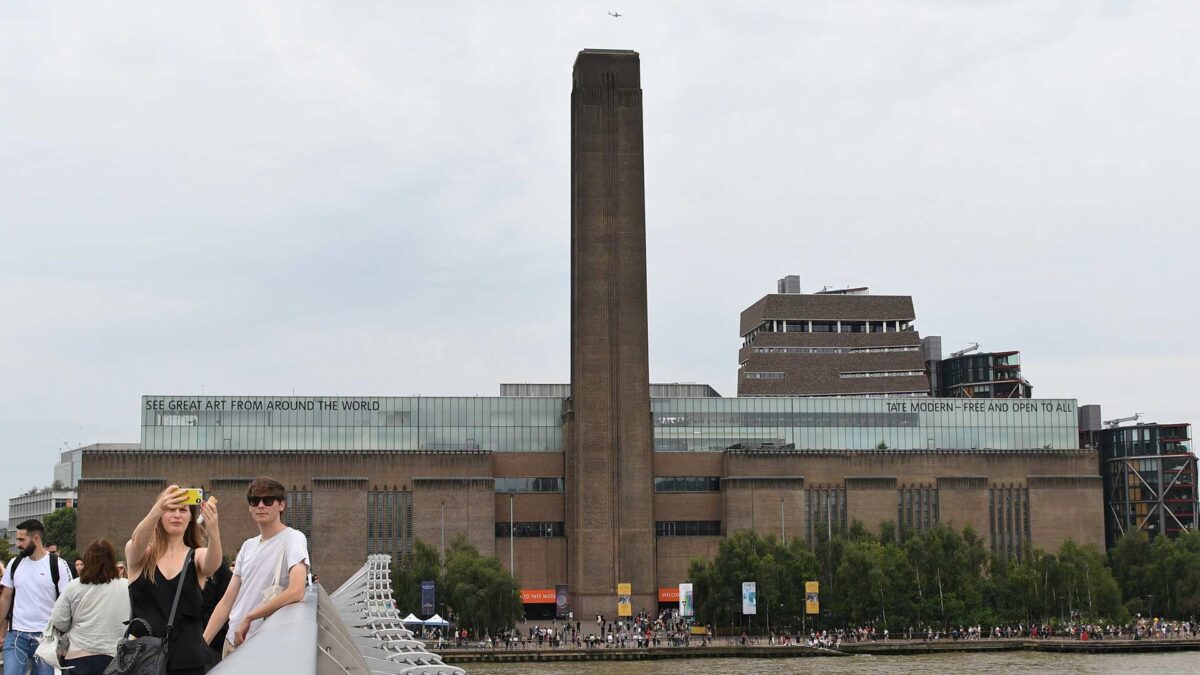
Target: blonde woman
<point>155,557</point>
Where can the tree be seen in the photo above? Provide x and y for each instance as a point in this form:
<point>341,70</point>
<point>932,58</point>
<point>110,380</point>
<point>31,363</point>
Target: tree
<point>60,530</point>
<point>484,596</point>
<point>778,571</point>
<point>407,576</point>
<point>5,551</point>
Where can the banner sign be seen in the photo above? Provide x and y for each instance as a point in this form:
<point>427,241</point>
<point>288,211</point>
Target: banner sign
<point>812,597</point>
<point>562,602</point>
<point>668,595</point>
<point>749,597</point>
<point>687,606</point>
<point>537,596</point>
<point>427,602</point>
<point>624,600</point>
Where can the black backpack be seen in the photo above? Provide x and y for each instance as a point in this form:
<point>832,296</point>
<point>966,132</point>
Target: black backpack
<point>12,574</point>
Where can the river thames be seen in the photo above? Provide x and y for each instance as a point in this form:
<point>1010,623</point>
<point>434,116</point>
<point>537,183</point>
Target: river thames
<point>1009,663</point>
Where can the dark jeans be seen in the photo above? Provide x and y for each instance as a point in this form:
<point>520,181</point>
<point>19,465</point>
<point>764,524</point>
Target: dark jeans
<point>88,665</point>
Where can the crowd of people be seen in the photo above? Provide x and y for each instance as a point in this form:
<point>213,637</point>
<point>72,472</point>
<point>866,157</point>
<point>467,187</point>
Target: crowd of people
<point>173,583</point>
<point>669,629</point>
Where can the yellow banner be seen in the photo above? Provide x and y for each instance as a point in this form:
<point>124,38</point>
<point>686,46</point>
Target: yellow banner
<point>812,597</point>
<point>624,600</point>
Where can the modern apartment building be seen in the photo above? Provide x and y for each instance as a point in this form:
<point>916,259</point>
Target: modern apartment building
<point>1149,472</point>
<point>975,375</point>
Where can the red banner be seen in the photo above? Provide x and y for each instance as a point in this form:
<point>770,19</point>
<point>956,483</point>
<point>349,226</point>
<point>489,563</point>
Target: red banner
<point>668,594</point>
<point>544,596</point>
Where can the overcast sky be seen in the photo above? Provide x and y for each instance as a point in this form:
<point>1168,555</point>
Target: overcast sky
<point>373,198</point>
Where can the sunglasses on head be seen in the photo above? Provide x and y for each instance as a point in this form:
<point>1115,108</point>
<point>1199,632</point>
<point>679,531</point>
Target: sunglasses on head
<point>268,501</point>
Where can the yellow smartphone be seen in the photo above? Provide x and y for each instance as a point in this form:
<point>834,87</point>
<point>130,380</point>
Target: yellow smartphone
<point>194,496</point>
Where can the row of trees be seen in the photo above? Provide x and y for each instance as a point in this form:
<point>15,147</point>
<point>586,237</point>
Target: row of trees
<point>1159,578</point>
<point>940,578</point>
<point>473,591</point>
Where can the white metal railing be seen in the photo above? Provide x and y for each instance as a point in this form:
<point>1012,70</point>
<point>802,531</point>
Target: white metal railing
<point>356,630</point>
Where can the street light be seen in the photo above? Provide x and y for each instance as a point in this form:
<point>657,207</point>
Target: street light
<point>782,529</point>
<point>512,565</point>
<point>442,555</point>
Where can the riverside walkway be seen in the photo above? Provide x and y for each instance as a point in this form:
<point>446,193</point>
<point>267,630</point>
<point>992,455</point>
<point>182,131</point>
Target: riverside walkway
<point>877,648</point>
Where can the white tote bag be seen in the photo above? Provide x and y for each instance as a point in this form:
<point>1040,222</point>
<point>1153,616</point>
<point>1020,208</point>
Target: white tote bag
<point>275,589</point>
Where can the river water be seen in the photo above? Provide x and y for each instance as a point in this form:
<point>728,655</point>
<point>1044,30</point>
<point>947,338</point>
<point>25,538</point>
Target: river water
<point>996,663</point>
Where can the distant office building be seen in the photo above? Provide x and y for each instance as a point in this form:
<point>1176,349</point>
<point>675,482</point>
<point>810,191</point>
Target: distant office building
<point>830,343</point>
<point>789,284</point>
<point>38,504</point>
<point>70,463</point>
<point>975,375</point>
<point>1149,475</point>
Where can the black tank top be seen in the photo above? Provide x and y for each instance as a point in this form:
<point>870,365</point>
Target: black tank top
<point>152,602</point>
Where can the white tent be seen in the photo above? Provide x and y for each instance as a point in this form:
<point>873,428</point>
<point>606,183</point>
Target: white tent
<point>411,618</point>
<point>436,620</point>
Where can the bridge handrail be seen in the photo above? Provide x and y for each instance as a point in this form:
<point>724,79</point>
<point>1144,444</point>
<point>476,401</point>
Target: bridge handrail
<point>284,644</point>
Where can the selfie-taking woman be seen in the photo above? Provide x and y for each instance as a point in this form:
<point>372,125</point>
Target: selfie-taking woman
<point>155,557</point>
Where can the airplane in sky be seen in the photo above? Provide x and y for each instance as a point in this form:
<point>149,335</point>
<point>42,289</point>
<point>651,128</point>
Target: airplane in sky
<point>615,15</point>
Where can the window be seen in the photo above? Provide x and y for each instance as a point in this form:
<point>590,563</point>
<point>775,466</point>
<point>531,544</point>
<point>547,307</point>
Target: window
<point>883,373</point>
<point>542,529</point>
<point>824,326</point>
<point>389,521</point>
<point>833,350</point>
<point>688,528</point>
<point>531,484</point>
<point>687,484</point>
<point>764,376</point>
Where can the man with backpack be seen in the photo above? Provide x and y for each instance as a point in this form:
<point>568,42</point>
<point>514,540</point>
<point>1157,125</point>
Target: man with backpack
<point>30,586</point>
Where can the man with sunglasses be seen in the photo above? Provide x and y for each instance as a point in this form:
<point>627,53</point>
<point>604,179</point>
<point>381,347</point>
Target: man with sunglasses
<point>277,546</point>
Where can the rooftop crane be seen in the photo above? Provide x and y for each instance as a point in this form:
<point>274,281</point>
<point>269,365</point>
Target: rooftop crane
<point>973,347</point>
<point>1113,424</point>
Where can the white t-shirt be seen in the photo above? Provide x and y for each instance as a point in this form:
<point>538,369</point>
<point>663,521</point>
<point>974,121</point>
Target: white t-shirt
<point>256,567</point>
<point>34,591</point>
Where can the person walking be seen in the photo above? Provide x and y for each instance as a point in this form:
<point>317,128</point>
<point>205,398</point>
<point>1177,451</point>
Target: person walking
<point>271,570</point>
<point>32,582</point>
<point>156,555</point>
<point>92,611</point>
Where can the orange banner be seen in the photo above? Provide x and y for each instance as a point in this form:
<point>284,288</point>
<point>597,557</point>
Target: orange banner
<point>544,596</point>
<point>668,594</point>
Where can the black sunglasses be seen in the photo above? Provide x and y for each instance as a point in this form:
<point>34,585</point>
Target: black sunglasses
<point>269,501</point>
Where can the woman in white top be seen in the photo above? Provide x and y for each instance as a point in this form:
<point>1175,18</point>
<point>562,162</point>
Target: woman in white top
<point>92,611</point>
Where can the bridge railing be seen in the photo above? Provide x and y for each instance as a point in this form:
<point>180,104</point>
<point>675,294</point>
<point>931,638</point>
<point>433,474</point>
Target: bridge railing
<point>356,630</point>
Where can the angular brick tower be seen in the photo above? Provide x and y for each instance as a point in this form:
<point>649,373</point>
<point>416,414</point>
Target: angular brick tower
<point>609,443</point>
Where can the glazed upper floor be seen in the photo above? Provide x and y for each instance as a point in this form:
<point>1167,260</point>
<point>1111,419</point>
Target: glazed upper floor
<point>535,424</point>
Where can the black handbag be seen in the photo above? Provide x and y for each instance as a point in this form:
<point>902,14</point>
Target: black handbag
<point>147,655</point>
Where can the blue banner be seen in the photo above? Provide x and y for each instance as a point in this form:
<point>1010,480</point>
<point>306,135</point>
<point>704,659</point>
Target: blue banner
<point>427,597</point>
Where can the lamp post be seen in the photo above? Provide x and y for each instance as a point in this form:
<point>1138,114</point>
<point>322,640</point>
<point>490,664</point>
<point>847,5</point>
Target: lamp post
<point>442,555</point>
<point>782,529</point>
<point>512,565</point>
